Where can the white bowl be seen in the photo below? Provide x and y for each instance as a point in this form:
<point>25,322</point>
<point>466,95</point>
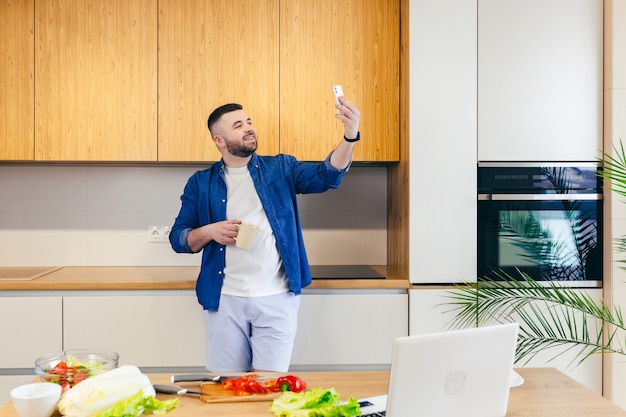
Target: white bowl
<point>36,400</point>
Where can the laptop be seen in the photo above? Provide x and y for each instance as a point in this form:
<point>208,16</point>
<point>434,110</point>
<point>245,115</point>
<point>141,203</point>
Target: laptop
<point>456,373</point>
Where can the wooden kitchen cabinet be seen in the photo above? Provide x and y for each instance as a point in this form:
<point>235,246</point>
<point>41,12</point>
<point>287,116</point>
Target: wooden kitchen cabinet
<point>17,89</point>
<point>96,80</point>
<point>156,329</point>
<point>354,43</point>
<point>212,53</point>
<point>112,84</point>
<point>30,327</point>
<point>279,59</point>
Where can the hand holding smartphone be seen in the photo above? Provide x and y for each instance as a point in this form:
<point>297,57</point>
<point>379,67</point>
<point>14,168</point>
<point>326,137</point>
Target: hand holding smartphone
<point>337,91</point>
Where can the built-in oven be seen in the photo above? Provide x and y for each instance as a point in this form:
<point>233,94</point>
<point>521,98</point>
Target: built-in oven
<point>543,219</point>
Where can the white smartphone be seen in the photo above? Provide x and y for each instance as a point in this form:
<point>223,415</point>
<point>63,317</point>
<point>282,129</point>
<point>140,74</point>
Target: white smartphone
<point>337,91</point>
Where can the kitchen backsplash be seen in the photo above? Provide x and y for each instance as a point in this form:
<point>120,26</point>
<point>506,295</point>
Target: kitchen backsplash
<point>97,215</point>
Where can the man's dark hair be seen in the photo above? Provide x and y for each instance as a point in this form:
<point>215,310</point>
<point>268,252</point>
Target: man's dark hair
<point>220,111</point>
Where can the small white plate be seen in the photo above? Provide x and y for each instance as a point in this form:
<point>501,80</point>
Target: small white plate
<point>516,380</point>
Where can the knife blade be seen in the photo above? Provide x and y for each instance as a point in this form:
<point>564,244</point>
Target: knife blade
<point>200,377</point>
<point>173,389</point>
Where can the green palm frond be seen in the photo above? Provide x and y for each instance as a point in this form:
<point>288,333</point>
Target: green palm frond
<point>549,315</point>
<point>613,168</point>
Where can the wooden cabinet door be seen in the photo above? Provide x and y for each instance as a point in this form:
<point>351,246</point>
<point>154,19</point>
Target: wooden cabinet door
<point>17,64</point>
<point>354,43</point>
<point>213,52</point>
<point>95,74</point>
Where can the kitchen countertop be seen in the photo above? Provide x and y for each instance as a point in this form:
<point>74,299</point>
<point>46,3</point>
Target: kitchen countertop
<point>167,278</point>
<point>545,392</point>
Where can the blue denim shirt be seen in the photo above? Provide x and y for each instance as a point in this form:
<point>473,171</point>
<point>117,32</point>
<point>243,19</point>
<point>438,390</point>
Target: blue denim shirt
<point>277,180</point>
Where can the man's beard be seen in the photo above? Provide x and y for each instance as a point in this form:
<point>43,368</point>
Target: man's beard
<point>241,150</point>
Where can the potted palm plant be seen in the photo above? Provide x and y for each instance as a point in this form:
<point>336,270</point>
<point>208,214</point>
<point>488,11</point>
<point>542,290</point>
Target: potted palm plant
<point>549,315</point>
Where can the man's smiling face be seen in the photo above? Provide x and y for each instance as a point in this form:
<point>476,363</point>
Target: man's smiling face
<point>238,134</point>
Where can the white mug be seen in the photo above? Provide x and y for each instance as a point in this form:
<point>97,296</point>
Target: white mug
<point>247,235</point>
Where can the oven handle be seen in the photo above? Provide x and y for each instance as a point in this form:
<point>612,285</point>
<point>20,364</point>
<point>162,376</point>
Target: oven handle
<point>538,197</point>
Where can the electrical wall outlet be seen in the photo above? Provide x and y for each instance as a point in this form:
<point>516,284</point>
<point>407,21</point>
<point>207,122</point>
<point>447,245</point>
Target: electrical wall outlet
<point>158,234</point>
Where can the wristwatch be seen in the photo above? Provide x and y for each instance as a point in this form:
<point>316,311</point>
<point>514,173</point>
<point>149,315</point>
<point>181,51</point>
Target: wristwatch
<point>358,138</point>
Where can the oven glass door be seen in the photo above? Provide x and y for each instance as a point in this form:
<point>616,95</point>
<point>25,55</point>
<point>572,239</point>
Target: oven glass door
<point>551,239</point>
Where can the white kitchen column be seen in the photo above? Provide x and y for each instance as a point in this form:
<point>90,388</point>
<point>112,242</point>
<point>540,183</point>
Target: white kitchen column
<point>442,185</point>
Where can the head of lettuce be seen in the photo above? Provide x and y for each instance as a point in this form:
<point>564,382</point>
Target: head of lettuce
<point>317,402</point>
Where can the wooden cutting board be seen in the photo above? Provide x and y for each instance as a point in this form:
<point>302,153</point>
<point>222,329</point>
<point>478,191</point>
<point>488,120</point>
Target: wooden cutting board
<point>214,393</point>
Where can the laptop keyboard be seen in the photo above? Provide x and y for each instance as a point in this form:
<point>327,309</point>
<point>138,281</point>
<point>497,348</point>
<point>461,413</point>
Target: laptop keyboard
<point>378,414</point>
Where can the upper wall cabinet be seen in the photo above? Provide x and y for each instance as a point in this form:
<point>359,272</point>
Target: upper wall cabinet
<point>279,59</point>
<point>539,80</point>
<point>117,80</point>
<point>354,43</point>
<point>17,65</point>
<point>211,53</point>
<point>95,78</point>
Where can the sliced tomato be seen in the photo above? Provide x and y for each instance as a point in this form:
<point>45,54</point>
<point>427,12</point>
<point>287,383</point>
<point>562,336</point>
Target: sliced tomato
<point>245,385</point>
<point>228,384</point>
<point>59,369</point>
<point>80,376</point>
<point>255,387</point>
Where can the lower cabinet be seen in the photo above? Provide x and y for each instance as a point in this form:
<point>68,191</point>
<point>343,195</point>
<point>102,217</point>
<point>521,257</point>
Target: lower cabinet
<point>30,327</point>
<point>154,329</point>
<point>430,312</point>
<point>164,329</point>
<point>349,329</point>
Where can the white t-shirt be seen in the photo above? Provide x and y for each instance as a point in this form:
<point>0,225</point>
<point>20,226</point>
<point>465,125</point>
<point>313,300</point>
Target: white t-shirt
<point>258,271</point>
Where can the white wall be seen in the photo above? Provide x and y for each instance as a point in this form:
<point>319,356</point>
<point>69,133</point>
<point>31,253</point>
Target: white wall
<point>98,215</point>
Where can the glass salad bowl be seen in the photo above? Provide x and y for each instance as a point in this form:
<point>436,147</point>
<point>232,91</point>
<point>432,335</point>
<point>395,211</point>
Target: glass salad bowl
<point>68,367</point>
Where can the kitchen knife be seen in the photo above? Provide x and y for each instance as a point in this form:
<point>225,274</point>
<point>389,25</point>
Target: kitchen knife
<point>173,389</point>
<point>199,377</point>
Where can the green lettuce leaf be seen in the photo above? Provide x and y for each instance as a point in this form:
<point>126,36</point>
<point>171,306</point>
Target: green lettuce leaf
<point>137,405</point>
<point>317,402</point>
